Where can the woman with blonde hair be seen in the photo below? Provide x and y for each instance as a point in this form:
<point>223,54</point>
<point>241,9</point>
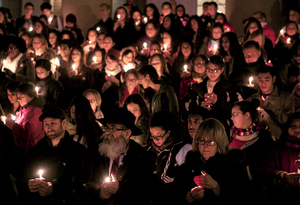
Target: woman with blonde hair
<point>202,174</point>
<point>39,49</point>
<point>95,100</point>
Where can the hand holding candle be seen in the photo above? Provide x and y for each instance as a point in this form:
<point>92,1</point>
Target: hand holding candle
<point>95,59</point>
<point>3,118</point>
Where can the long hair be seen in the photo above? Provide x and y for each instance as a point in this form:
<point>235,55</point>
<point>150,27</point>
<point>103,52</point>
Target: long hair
<point>86,125</point>
<point>234,46</point>
<point>156,14</point>
<point>164,67</point>
<point>151,71</point>
<point>126,11</point>
<point>137,99</point>
<point>124,86</point>
<point>70,60</point>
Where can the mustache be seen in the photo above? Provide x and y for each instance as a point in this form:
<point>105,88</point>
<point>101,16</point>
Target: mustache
<point>111,147</point>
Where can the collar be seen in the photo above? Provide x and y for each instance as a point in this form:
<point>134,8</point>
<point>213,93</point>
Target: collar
<point>114,72</point>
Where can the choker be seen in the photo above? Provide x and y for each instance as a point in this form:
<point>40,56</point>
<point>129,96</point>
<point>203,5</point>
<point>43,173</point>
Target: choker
<point>255,126</point>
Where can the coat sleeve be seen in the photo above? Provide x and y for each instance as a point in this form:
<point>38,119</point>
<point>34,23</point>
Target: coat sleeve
<point>173,101</point>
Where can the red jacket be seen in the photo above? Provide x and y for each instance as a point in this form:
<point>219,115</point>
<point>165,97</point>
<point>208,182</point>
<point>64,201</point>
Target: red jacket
<point>27,128</point>
<point>270,33</point>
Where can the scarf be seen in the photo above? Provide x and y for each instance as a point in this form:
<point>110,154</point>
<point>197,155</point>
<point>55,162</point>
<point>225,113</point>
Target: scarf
<point>255,126</point>
<point>293,143</point>
<point>12,65</point>
<point>113,72</point>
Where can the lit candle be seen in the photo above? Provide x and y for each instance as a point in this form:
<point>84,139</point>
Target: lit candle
<point>13,117</point>
<point>250,82</point>
<point>118,16</point>
<point>95,59</point>
<point>98,29</point>
<point>90,42</point>
<point>30,28</point>
<point>57,62</point>
<point>3,118</point>
<point>49,20</point>
<point>145,19</point>
<point>37,90</point>
<point>216,47</point>
<point>165,47</point>
<point>185,67</point>
<point>108,75</point>
<point>137,23</point>
<point>145,45</point>
<point>40,173</point>
<point>74,67</point>
<point>110,179</point>
<point>281,31</point>
<point>288,40</point>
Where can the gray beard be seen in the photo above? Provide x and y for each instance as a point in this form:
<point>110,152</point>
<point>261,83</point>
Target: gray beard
<point>111,147</point>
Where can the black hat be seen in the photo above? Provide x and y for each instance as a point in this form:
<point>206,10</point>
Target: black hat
<point>53,112</point>
<point>124,117</point>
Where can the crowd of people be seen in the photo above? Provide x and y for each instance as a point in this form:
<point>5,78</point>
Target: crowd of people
<point>149,108</point>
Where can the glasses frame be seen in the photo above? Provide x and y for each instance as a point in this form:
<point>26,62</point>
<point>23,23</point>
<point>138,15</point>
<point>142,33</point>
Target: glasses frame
<point>208,143</point>
<point>158,137</point>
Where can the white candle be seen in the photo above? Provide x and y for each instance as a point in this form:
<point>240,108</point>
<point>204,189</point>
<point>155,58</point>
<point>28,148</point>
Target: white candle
<point>118,16</point>
<point>216,47</point>
<point>95,59</point>
<point>250,82</point>
<point>288,40</point>
<point>185,67</point>
<point>49,20</point>
<point>37,89</point>
<point>3,118</point>
<point>165,47</point>
<point>57,62</point>
<point>98,29</point>
<point>40,172</point>
<point>145,45</point>
<point>145,19</point>
<point>30,28</point>
<point>90,42</point>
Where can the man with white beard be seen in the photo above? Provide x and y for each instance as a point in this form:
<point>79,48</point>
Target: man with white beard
<point>116,174</point>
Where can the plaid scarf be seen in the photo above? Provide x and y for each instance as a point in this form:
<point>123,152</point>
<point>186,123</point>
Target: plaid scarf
<point>255,126</point>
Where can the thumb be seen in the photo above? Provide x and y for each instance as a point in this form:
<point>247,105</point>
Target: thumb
<point>203,173</point>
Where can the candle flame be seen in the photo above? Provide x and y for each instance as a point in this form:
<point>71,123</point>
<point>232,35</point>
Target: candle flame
<point>13,117</point>
<point>36,89</point>
<point>165,46</point>
<point>3,118</point>
<point>288,40</point>
<point>98,29</point>
<point>145,45</point>
<point>74,67</point>
<point>250,80</point>
<point>50,19</point>
<point>30,28</point>
<point>118,16</point>
<point>95,59</point>
<point>185,67</point>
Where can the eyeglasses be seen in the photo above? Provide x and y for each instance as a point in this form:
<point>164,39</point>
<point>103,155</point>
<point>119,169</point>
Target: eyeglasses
<point>212,71</point>
<point>158,137</point>
<point>294,127</point>
<point>11,48</point>
<point>208,143</point>
<point>112,129</point>
<point>234,114</point>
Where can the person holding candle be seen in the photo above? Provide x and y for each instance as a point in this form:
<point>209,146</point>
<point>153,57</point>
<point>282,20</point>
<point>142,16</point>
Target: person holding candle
<point>151,35</point>
<point>120,159</point>
<point>14,107</point>
<point>91,42</point>
<point>108,81</point>
<point>80,77</point>
<point>246,65</point>
<point>26,128</point>
<point>106,24</point>
<point>54,22</point>
<point>49,179</point>
<point>202,176</point>
<point>18,66</point>
<point>275,105</point>
<point>54,35</point>
<point>197,75</point>
<point>280,168</point>
<point>215,93</point>
<point>96,59</point>
<point>49,88</point>
<point>127,59</point>
<point>8,25</point>
<point>151,11</point>
<point>214,42</point>
<point>40,48</point>
<point>27,20</point>
<point>124,31</point>
<point>170,47</point>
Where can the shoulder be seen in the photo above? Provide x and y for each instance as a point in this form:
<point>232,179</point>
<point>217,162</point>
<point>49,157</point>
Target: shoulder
<point>181,154</point>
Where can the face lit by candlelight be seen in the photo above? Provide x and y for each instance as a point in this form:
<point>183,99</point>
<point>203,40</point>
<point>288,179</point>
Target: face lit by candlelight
<point>159,135</point>
<point>108,43</point>
<point>291,29</point>
<point>205,150</point>
<point>199,66</point>
<point>42,73</point>
<point>12,96</point>
<point>76,55</point>
<point>111,64</point>
<point>135,110</point>
<point>150,30</point>
<point>154,48</point>
<point>265,82</point>
<point>23,99</point>
<point>251,54</point>
<point>193,124</point>
<point>239,119</point>
<point>98,56</point>
<point>54,127</point>
<point>217,33</point>
<point>127,58</point>
<point>213,72</point>
<point>122,14</point>
<point>186,49</point>
<point>92,36</point>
